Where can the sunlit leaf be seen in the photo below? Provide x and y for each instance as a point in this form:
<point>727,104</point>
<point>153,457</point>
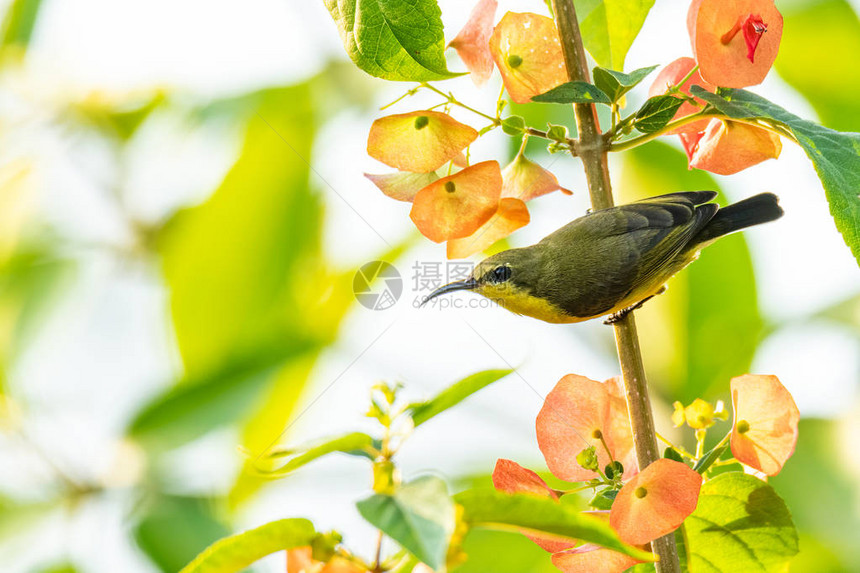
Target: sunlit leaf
<point>490,509</point>
<point>740,524</point>
<point>454,394</point>
<point>610,26</point>
<point>502,552</point>
<point>292,459</point>
<point>236,552</point>
<point>419,516</point>
<point>656,112</point>
<point>615,84</point>
<point>19,23</point>
<point>573,92</point>
<point>393,39</point>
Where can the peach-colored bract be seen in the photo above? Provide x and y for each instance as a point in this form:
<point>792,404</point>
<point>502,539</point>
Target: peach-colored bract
<point>403,185</point>
<point>655,502</point>
<point>727,147</point>
<point>592,558</point>
<point>528,54</point>
<point>510,216</point>
<point>670,76</point>
<point>722,33</point>
<point>572,414</point>
<point>454,207</point>
<point>526,180</point>
<point>510,477</point>
<point>473,41</point>
<point>620,437</point>
<point>767,412</point>
<point>418,141</point>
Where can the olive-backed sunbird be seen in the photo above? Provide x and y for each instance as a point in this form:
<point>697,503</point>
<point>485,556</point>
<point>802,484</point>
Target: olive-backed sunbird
<point>611,260</point>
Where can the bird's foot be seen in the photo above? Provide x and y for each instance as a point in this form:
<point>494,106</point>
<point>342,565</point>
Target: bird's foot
<point>618,316</point>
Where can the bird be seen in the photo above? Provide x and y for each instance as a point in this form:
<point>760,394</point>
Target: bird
<point>610,261</point>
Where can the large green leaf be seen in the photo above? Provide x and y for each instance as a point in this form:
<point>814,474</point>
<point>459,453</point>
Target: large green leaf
<point>19,23</point>
<point>817,57</point>
<point>704,330</point>
<point>487,508</point>
<point>610,26</point>
<point>503,552</point>
<point>238,551</point>
<point>740,524</point>
<point>355,443</point>
<point>454,394</point>
<point>835,155</point>
<point>174,529</point>
<point>393,39</point>
<point>419,516</point>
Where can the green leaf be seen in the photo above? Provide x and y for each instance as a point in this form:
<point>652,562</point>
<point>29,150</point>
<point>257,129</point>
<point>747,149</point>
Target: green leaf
<point>355,443</point>
<point>740,524</point>
<point>174,529</point>
<point>237,552</point>
<point>19,23</point>
<point>487,508</point>
<point>710,457</point>
<point>610,26</point>
<point>710,304</point>
<point>196,406</point>
<point>671,453</point>
<point>817,58</point>
<point>603,500</point>
<point>656,113</point>
<point>454,394</point>
<point>573,92</point>
<point>616,84</point>
<point>835,155</point>
<point>513,125</point>
<point>393,39</point>
<point>419,516</point>
<point>502,552</point>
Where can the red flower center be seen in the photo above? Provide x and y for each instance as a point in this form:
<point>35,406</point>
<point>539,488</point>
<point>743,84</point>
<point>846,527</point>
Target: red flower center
<point>753,27</point>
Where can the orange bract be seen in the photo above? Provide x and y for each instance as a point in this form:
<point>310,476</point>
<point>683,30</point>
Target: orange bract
<point>526,180</point>
<point>734,41</point>
<point>418,141</point>
<point>528,54</point>
<point>620,437</point>
<point>670,76</point>
<point>655,502</point>
<point>765,422</point>
<point>510,477</point>
<point>575,413</point>
<point>727,147</point>
<point>472,43</point>
<point>454,207</point>
<point>402,186</point>
<point>300,560</point>
<point>510,216</point>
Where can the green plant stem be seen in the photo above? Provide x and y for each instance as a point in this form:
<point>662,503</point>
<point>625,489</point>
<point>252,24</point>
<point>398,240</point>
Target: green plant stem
<point>451,99</point>
<point>592,149</point>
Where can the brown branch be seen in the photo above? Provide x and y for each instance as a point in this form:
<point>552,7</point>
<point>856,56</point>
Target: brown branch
<point>591,148</point>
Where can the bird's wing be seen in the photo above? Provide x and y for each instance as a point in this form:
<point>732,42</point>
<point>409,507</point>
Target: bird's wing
<point>633,245</point>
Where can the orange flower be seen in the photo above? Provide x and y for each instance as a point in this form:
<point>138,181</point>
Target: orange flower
<point>510,477</point>
<point>456,206</point>
<point>526,180</point>
<point>765,422</point>
<point>472,43</point>
<point>402,185</point>
<point>418,141</point>
<point>670,76</point>
<point>576,414</point>
<point>727,147</point>
<point>620,437</point>
<point>300,560</point>
<point>655,502</point>
<point>734,41</point>
<point>528,54</point>
<point>510,216</point>
<point>590,558</point>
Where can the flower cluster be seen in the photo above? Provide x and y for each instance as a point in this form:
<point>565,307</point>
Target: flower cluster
<point>472,206</point>
<point>734,43</point>
<point>584,435</point>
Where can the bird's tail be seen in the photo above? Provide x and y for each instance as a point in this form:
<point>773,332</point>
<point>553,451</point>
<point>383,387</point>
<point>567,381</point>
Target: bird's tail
<point>755,210</point>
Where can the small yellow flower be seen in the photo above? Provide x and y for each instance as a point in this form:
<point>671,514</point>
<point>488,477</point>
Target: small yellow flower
<point>699,415</point>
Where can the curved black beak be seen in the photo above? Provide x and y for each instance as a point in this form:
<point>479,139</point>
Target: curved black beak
<point>466,284</point>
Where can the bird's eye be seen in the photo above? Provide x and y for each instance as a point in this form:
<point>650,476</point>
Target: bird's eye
<point>501,274</point>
